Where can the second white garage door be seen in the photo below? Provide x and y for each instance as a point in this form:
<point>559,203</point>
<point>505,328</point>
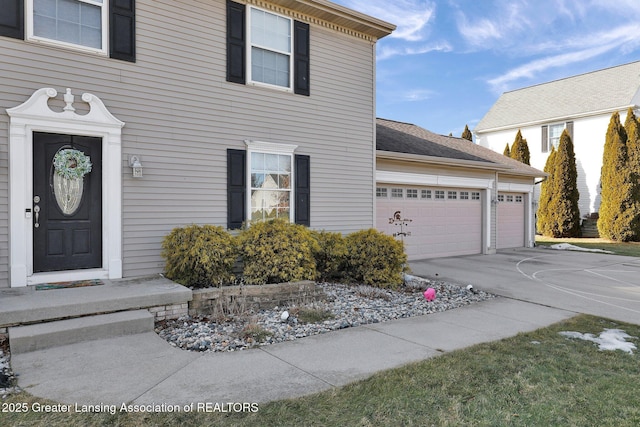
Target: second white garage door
<point>444,221</point>
<point>510,220</point>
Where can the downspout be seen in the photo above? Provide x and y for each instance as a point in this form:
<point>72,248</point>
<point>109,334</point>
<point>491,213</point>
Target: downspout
<point>375,142</point>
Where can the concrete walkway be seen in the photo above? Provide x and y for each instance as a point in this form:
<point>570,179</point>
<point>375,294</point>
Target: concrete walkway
<point>144,369</point>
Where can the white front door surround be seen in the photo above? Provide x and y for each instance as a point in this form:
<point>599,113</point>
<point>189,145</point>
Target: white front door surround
<point>35,115</point>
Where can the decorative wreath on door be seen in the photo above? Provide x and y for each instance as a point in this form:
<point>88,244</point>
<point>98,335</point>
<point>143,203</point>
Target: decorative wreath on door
<point>71,164</point>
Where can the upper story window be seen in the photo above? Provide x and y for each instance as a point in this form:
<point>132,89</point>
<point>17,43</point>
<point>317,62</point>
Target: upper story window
<point>267,49</point>
<point>551,135</point>
<point>96,26</point>
<point>78,23</point>
<point>271,47</point>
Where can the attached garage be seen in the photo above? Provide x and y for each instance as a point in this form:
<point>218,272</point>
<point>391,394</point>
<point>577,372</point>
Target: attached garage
<point>446,196</point>
<point>438,221</point>
<point>511,220</point>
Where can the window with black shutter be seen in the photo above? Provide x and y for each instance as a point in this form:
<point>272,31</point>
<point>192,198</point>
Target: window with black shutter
<point>267,49</point>
<point>12,18</point>
<point>236,188</point>
<point>272,180</point>
<point>51,23</point>
<point>122,30</point>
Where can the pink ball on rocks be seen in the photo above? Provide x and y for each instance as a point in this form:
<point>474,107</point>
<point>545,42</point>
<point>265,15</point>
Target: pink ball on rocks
<point>430,294</point>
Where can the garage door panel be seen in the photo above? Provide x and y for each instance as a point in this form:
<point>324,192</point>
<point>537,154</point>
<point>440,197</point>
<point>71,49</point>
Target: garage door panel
<point>438,227</point>
<point>511,225</point>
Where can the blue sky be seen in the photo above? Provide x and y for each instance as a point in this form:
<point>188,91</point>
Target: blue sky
<point>449,60</point>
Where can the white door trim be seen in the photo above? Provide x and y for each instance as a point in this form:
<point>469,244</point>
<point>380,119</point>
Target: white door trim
<point>35,115</point>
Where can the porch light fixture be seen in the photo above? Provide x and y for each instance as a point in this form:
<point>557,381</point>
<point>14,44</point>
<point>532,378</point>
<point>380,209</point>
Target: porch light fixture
<point>134,162</point>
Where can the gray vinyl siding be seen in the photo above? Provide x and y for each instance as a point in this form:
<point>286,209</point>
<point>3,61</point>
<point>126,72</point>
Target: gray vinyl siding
<point>181,115</point>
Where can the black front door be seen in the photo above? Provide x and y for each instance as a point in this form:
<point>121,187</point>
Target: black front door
<point>67,202</point>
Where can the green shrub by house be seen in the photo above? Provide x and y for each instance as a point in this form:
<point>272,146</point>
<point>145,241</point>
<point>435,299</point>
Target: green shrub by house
<point>520,149</point>
<point>199,255</point>
<point>563,206</point>
<point>617,217</point>
<point>375,259</point>
<point>330,256</point>
<point>544,223</point>
<point>277,251</point>
<point>507,151</point>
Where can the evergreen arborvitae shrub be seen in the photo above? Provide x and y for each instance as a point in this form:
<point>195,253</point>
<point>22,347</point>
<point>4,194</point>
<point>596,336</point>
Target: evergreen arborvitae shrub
<point>330,255</point>
<point>544,224</point>
<point>199,255</point>
<point>520,149</point>
<point>375,259</point>
<point>616,216</point>
<point>507,151</point>
<point>466,134</point>
<point>632,128</point>
<point>563,206</point>
<point>277,251</point>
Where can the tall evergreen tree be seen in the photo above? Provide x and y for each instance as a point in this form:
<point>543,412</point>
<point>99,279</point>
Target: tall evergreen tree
<point>616,213</point>
<point>632,128</point>
<point>544,225</point>
<point>563,206</point>
<point>507,151</point>
<point>520,149</point>
<point>466,134</point>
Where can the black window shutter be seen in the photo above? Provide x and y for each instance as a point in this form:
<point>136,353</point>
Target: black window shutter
<point>545,139</point>
<point>235,42</point>
<point>301,58</point>
<point>302,190</point>
<point>236,188</point>
<point>12,18</point>
<point>122,30</point>
<point>569,127</point>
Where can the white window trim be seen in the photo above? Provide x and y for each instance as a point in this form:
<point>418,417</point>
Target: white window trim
<point>270,148</point>
<point>34,115</point>
<point>52,42</point>
<point>248,50</point>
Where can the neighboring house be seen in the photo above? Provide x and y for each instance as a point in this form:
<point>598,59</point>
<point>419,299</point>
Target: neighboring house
<point>228,110</point>
<point>461,198</point>
<point>582,104</point>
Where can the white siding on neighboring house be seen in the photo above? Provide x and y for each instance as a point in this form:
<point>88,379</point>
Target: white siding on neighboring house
<point>589,134</point>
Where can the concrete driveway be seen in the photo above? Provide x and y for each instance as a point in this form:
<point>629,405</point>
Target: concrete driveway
<point>582,282</point>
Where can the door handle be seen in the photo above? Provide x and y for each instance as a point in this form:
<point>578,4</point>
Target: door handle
<point>36,211</point>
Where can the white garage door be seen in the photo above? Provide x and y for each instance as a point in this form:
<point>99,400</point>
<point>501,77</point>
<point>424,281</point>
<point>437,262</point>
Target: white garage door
<point>444,221</point>
<point>510,220</point>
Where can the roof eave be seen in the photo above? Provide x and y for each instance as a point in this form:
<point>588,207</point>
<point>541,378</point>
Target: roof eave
<point>338,15</point>
<point>441,161</point>
<point>554,119</point>
<point>444,161</point>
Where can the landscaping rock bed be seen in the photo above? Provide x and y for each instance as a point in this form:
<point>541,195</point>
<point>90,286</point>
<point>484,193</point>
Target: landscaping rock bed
<point>345,306</point>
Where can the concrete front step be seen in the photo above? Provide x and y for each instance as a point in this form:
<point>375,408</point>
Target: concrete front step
<point>21,306</point>
<point>23,339</point>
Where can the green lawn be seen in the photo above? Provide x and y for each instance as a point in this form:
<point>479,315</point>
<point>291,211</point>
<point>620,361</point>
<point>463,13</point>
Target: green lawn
<point>535,379</point>
<point>628,249</point>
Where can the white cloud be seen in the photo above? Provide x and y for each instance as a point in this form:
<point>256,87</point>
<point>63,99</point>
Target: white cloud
<point>410,16</point>
<point>574,50</point>
<point>418,95</point>
<point>386,51</point>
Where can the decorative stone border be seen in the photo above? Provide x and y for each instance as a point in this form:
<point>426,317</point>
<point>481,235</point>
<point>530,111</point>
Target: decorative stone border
<point>169,312</point>
<point>239,299</point>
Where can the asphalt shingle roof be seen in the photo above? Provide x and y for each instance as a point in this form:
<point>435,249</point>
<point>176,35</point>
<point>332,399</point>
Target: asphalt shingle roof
<point>608,89</point>
<point>399,137</point>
